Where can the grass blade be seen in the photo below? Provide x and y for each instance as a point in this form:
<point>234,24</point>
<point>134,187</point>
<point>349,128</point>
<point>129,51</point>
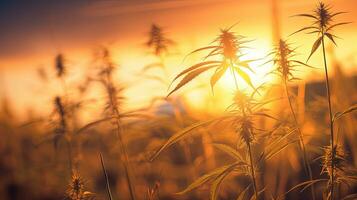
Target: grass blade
<point>106,177</point>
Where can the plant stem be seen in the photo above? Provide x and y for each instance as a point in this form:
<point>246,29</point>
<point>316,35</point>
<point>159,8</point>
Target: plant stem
<point>234,75</point>
<point>332,177</point>
<point>307,166</point>
<point>106,176</point>
<point>123,153</point>
<point>252,171</point>
<point>125,158</point>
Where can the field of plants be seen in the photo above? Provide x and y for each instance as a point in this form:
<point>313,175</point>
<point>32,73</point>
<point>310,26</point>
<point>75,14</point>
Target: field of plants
<point>273,135</point>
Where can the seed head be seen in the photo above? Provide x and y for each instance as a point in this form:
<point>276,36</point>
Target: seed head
<point>76,187</point>
<point>244,103</point>
<point>62,114</point>
<point>59,65</point>
<point>322,25</point>
<point>335,156</point>
<point>285,62</point>
<point>229,43</point>
<point>324,16</point>
<point>158,41</point>
<point>245,129</point>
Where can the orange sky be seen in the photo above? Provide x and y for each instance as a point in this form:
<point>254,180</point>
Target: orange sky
<point>35,33</point>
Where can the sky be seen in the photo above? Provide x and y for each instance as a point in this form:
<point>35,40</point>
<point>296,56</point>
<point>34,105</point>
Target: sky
<point>34,31</point>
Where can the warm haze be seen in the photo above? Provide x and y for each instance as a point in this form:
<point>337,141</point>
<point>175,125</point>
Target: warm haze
<point>178,99</point>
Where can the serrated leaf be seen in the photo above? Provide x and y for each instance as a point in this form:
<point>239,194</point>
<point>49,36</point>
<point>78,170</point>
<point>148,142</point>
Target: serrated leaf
<point>331,37</point>
<point>217,75</point>
<point>245,77</point>
<point>190,76</point>
<point>315,47</point>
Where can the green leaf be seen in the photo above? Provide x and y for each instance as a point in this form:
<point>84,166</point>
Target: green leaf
<point>203,48</point>
<point>190,76</point>
<point>306,15</point>
<point>193,67</point>
<point>315,47</point>
<point>219,179</point>
<point>301,63</point>
<point>217,75</point>
<point>242,194</point>
<point>303,29</point>
<point>306,183</point>
<point>214,52</point>
<point>259,193</point>
<point>198,50</point>
<point>265,115</point>
<point>331,37</point>
<point>245,64</point>
<point>89,125</point>
<point>245,77</point>
<point>338,13</point>
<point>338,115</point>
<point>230,151</point>
<point>153,65</point>
<point>217,184</point>
<point>335,25</point>
<point>205,178</point>
<point>180,135</point>
<point>275,151</point>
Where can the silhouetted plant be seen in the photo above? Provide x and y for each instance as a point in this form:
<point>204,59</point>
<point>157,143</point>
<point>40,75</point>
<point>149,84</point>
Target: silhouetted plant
<point>113,110</point>
<point>228,50</point>
<point>322,26</point>
<point>76,189</point>
<point>241,116</point>
<point>158,41</point>
<point>286,64</point>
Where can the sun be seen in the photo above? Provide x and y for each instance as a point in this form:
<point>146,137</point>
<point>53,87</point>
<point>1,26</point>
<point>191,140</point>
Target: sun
<point>258,52</point>
<point>217,100</point>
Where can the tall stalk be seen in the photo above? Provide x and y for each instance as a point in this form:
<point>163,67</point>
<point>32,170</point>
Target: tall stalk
<point>323,24</point>
<point>105,176</point>
<point>332,177</point>
<point>252,171</point>
<point>124,154</point>
<point>307,165</point>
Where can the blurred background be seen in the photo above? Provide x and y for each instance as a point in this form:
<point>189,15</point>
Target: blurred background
<point>40,36</point>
